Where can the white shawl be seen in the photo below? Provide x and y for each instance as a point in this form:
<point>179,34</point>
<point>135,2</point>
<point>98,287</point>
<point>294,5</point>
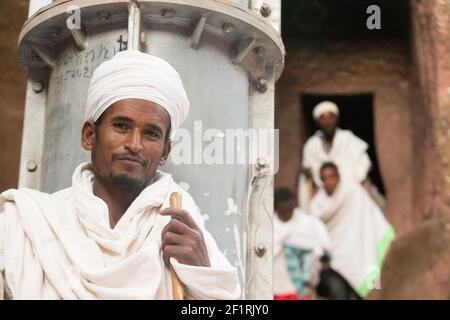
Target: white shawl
<point>360,234</point>
<point>61,246</point>
<point>348,152</point>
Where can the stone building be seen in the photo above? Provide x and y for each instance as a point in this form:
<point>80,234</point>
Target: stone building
<point>393,88</point>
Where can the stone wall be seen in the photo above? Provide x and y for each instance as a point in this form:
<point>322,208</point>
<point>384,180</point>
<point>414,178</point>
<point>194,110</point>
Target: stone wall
<point>431,102</point>
<point>12,91</point>
<point>417,266</point>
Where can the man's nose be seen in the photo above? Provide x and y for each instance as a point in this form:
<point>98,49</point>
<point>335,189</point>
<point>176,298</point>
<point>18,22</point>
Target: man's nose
<point>134,143</point>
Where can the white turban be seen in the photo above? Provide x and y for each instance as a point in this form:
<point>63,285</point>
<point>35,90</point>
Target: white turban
<point>133,74</point>
<point>324,107</point>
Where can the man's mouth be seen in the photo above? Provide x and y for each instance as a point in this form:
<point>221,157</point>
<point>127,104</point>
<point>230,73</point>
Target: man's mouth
<point>131,159</point>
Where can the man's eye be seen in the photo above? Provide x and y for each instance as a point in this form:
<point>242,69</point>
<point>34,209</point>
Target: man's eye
<point>151,134</point>
<point>120,126</point>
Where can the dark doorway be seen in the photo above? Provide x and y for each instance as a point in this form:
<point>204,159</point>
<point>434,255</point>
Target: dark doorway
<point>356,114</point>
<point>322,20</point>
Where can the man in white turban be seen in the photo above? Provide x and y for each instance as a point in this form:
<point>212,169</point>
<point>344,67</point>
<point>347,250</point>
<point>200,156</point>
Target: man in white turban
<point>112,234</point>
<point>332,144</point>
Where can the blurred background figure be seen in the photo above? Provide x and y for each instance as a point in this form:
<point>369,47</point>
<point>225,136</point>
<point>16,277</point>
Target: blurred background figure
<point>360,235</point>
<point>333,144</point>
<point>300,241</point>
<point>302,255</point>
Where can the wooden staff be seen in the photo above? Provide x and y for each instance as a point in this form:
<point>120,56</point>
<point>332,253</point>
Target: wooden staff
<point>177,287</point>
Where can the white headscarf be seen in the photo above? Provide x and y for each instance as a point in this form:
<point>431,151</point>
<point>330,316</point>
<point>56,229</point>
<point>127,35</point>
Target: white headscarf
<point>133,74</point>
<point>324,107</point>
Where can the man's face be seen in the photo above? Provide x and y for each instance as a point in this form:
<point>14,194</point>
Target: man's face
<point>330,179</point>
<point>129,143</point>
<point>328,123</point>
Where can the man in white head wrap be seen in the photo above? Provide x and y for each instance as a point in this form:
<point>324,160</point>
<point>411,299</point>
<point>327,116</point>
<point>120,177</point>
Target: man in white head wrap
<point>112,235</point>
<point>133,74</point>
<point>332,144</point>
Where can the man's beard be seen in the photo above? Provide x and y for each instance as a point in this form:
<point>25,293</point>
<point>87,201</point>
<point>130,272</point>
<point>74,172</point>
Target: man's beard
<point>123,180</point>
<point>134,185</point>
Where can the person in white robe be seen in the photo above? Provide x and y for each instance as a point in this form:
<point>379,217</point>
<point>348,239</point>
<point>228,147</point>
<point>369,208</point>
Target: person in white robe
<point>332,144</point>
<point>299,243</point>
<point>360,234</point>
<point>112,235</point>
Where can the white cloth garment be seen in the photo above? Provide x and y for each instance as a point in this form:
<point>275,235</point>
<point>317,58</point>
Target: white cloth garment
<point>61,246</point>
<point>133,74</point>
<point>348,152</point>
<point>360,235</point>
<point>302,231</point>
<point>324,107</point>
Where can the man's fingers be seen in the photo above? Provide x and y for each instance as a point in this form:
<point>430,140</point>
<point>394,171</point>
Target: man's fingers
<point>170,238</point>
<point>176,226</point>
<point>170,251</point>
<point>182,239</point>
<point>181,215</point>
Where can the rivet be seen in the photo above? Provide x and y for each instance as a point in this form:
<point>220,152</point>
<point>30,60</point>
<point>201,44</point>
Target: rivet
<point>103,15</point>
<point>31,166</point>
<point>260,250</point>
<point>261,162</point>
<point>265,10</point>
<point>261,85</point>
<point>227,28</point>
<point>168,13</point>
<point>37,87</point>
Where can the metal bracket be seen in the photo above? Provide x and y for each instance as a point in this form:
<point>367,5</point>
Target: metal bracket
<point>197,33</point>
<point>252,58</point>
<point>44,54</point>
<point>134,25</point>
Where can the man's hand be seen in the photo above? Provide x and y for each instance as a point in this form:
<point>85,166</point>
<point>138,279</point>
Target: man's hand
<point>307,172</point>
<point>183,240</point>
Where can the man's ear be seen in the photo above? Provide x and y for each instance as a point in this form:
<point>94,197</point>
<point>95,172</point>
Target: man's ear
<point>165,153</point>
<point>88,135</point>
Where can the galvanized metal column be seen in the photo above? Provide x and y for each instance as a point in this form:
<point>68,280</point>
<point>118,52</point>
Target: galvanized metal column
<point>33,123</point>
<point>259,228</point>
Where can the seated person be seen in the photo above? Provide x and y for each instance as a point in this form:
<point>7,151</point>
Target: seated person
<point>112,234</point>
